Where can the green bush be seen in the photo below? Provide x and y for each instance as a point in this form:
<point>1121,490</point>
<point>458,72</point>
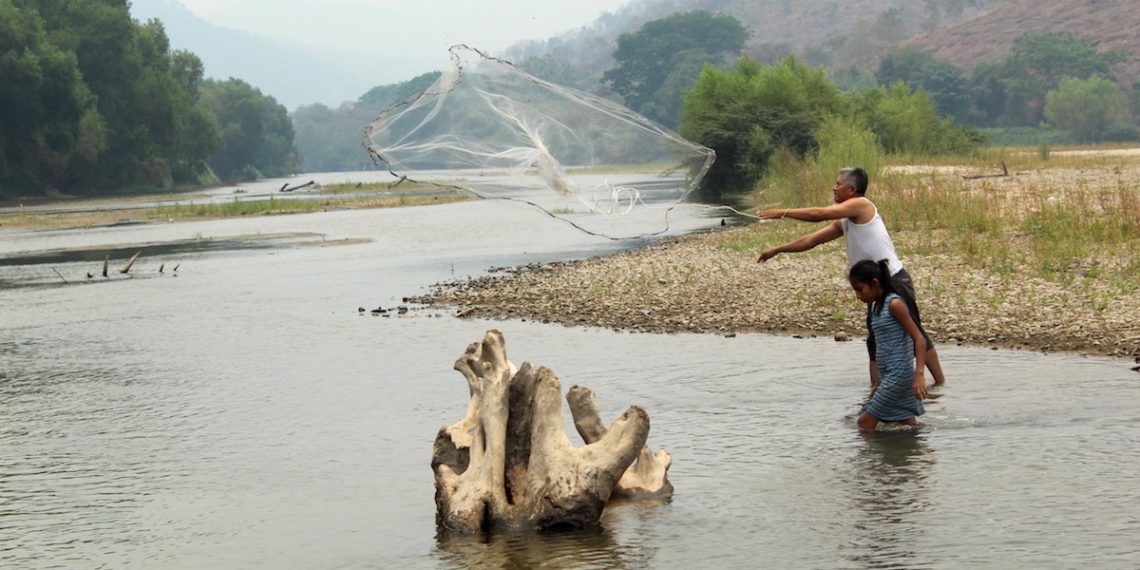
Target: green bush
<point>908,122</point>
<point>795,181</point>
<point>1087,107</point>
<point>748,112</point>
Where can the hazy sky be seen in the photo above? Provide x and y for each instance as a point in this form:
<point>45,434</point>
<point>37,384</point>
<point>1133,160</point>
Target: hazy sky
<point>418,31</point>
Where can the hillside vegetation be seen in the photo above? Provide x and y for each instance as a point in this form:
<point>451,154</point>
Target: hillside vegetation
<point>1107,25</point>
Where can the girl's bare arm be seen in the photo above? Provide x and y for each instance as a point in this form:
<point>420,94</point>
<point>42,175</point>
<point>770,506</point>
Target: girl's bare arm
<point>901,314</point>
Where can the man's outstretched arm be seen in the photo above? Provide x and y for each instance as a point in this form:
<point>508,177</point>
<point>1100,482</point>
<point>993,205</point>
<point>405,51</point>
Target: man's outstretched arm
<point>805,242</point>
<point>847,209</point>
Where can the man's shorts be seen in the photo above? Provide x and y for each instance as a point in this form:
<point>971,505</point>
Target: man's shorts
<point>905,289</point>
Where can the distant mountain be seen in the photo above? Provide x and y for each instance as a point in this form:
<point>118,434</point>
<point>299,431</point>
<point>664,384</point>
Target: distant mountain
<point>292,75</point>
<point>828,33</point>
<point>988,36</point>
<point>835,33</point>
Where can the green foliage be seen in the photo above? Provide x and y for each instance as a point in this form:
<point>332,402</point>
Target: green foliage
<point>656,64</point>
<point>42,102</point>
<point>844,142</point>
<point>1012,92</point>
<point>908,122</point>
<point>93,101</point>
<point>552,68</point>
<point>330,140</point>
<point>256,133</point>
<point>853,78</point>
<point>384,95</point>
<point>748,112</point>
<point>945,84</point>
<point>788,112</point>
<point>1086,107</point>
<point>1134,100</point>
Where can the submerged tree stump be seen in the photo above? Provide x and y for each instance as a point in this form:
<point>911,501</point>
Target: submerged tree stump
<point>509,463</point>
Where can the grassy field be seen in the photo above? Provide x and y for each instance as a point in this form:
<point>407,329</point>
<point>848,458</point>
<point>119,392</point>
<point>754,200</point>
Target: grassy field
<point>1070,214</point>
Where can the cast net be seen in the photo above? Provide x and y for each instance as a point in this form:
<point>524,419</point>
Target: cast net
<point>490,129</point>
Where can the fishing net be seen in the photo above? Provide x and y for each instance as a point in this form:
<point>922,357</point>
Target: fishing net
<point>489,129</point>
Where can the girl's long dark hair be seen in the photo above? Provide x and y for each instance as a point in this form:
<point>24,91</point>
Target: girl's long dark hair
<point>866,270</point>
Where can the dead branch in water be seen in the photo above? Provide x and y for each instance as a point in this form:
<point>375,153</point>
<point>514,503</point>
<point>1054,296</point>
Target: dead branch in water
<point>131,262</point>
<point>288,188</point>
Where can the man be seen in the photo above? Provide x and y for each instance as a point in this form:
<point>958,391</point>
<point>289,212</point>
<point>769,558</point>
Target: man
<point>855,216</point>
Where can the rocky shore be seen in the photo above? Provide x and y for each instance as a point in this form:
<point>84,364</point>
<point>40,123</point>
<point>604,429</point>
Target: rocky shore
<point>698,284</point>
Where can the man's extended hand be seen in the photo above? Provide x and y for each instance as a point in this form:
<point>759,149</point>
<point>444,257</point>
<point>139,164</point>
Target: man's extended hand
<point>771,214</point>
<point>767,254</point>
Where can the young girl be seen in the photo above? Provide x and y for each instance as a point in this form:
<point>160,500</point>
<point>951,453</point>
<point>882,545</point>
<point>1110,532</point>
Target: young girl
<point>897,397</point>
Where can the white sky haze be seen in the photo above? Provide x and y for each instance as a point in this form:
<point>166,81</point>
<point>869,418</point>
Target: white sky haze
<point>419,30</point>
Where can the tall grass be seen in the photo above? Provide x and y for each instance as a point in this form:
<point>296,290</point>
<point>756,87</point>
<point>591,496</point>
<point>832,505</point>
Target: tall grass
<point>239,208</point>
<point>1076,216</point>
<point>792,182</point>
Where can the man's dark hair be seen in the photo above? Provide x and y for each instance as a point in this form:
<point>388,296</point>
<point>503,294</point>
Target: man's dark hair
<point>856,178</point>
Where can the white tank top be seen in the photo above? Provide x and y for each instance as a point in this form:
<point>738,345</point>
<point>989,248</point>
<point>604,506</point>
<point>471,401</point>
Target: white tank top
<point>870,241</point>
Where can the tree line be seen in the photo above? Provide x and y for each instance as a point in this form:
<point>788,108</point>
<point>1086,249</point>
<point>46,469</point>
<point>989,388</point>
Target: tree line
<point>93,102</point>
<point>673,70</point>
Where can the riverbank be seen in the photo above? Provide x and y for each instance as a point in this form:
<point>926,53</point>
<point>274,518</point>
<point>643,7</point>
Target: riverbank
<point>79,213</point>
<point>703,284</point>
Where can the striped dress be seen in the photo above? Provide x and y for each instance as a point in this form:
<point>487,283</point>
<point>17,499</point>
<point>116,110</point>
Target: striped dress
<point>894,353</point>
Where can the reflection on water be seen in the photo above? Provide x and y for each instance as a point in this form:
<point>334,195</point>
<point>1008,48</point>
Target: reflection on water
<point>587,548</point>
<point>889,484</point>
<point>245,415</point>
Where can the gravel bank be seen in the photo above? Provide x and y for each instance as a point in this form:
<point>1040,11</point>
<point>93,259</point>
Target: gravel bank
<point>695,284</point>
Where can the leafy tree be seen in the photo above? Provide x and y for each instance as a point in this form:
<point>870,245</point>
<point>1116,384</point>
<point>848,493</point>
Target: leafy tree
<point>1088,108</point>
<point>988,92</point>
<point>945,84</point>
<point>47,116</point>
<point>1037,63</point>
<point>670,51</point>
<point>329,140</point>
<point>907,121</point>
<point>665,105</point>
<point>745,114</point>
<point>869,38</point>
<point>110,105</point>
<point>384,95</point>
<point>256,133</point>
<point>552,68</point>
<point>1134,100</point>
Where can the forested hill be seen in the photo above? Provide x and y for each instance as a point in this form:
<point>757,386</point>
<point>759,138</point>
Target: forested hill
<point>1105,24</point>
<point>823,32</point>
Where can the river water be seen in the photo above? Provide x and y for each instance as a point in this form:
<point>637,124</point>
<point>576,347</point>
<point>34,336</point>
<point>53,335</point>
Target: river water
<point>240,412</point>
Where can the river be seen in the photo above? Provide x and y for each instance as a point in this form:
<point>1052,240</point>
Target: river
<point>241,412</point>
